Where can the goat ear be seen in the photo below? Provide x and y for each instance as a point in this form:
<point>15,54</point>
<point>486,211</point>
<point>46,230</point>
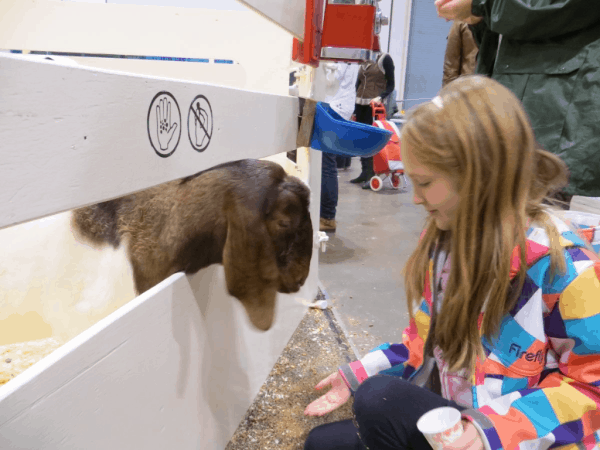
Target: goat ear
<point>293,244</point>
<point>251,271</point>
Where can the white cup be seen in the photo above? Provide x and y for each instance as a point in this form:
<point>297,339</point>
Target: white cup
<point>441,426</point>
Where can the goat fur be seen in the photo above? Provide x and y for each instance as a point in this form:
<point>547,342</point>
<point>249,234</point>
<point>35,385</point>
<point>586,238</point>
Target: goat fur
<point>248,215</point>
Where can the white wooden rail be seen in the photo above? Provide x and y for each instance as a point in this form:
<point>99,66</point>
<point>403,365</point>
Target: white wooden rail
<point>72,136</point>
<point>178,366</point>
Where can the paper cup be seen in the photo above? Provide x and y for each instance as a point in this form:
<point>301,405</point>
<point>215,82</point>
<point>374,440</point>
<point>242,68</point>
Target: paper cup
<point>441,426</point>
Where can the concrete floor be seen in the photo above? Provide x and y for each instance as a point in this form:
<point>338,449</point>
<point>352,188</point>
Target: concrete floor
<point>361,270</point>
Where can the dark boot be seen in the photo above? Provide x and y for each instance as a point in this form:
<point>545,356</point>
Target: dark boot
<point>366,172</point>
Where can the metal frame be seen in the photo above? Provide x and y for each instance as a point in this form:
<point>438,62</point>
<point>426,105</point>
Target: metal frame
<point>357,54</point>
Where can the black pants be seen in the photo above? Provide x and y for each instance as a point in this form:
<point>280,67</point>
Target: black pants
<point>343,162</point>
<point>386,409</point>
<point>364,114</point>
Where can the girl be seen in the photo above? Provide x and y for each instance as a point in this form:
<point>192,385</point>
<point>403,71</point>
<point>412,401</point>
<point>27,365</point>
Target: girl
<point>504,298</point>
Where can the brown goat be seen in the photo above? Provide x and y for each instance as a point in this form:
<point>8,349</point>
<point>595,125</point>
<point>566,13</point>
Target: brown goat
<point>248,215</point>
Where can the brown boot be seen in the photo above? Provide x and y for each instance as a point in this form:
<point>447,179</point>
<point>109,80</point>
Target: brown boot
<point>327,224</point>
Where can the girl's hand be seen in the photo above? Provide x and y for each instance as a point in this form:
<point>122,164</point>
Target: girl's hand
<point>469,440</point>
<point>336,397</point>
<point>454,9</point>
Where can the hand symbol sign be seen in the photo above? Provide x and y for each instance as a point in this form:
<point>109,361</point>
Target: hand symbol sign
<point>164,129</point>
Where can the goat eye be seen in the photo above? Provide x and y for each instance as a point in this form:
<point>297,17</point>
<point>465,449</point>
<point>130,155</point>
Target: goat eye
<point>283,223</point>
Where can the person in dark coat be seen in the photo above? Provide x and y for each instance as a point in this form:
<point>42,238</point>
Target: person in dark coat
<point>375,82</point>
<point>461,53</point>
<point>548,53</point>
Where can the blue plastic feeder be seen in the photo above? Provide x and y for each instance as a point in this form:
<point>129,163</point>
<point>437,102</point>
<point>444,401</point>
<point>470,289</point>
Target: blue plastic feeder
<point>334,134</point>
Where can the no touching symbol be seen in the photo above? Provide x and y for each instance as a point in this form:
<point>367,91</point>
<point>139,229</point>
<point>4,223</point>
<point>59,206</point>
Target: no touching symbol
<point>164,124</point>
<point>200,123</point>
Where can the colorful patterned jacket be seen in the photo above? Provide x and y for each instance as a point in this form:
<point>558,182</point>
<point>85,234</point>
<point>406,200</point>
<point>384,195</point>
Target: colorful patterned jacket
<point>539,385</point>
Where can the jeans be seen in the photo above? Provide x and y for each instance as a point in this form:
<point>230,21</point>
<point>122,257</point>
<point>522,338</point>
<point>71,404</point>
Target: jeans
<point>329,186</point>
<point>386,409</point>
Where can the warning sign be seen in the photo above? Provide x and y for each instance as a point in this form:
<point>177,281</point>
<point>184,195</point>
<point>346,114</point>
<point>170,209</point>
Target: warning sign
<point>200,123</point>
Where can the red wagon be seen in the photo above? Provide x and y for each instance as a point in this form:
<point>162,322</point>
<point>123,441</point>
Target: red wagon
<point>388,162</point>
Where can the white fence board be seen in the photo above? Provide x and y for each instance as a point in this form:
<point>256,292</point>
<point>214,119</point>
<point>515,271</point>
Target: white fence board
<point>288,14</point>
<point>260,49</point>
<point>102,126</point>
<point>152,375</point>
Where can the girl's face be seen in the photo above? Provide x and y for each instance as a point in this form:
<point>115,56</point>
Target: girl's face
<point>434,190</point>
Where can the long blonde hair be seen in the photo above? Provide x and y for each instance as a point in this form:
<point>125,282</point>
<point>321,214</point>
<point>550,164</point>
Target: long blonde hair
<point>480,135</point>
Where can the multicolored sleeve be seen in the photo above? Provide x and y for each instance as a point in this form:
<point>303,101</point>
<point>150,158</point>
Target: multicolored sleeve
<point>563,409</point>
<point>393,359</point>
<point>396,359</point>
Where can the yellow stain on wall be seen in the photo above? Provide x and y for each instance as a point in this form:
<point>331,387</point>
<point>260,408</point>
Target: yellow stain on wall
<point>23,327</point>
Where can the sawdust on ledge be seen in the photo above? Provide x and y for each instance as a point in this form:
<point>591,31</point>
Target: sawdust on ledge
<point>276,419</point>
<point>16,358</point>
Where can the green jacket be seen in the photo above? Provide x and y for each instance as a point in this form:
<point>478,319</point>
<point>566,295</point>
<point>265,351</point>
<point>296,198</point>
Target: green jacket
<point>549,56</point>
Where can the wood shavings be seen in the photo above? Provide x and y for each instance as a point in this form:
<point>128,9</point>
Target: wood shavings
<point>353,322</point>
<point>276,419</point>
<point>16,358</point>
